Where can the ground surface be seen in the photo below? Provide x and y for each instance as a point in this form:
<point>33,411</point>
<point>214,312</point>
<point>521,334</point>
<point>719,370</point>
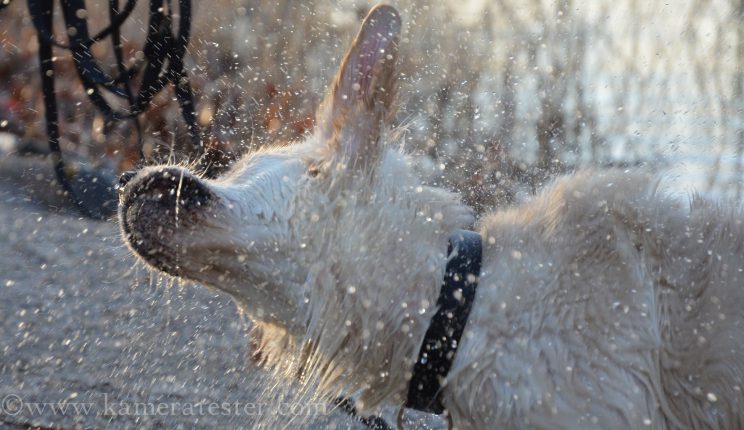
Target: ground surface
<point>83,324</point>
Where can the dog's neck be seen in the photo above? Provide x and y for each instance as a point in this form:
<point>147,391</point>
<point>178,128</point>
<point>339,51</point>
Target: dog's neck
<point>376,264</point>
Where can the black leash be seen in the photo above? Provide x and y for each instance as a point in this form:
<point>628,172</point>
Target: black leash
<point>163,55</point>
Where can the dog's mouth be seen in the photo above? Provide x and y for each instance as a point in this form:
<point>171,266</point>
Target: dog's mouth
<point>159,209</point>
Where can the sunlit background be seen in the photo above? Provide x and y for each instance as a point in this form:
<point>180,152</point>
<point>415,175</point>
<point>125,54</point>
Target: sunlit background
<point>497,96</point>
<point>514,91</point>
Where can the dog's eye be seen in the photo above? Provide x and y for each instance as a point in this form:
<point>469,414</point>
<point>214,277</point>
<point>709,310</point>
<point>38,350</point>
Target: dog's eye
<point>313,171</point>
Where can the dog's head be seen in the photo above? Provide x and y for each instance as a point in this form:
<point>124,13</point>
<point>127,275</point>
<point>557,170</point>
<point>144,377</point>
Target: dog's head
<point>238,231</point>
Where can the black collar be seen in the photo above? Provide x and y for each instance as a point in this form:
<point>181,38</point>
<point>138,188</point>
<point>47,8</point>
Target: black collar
<point>443,336</point>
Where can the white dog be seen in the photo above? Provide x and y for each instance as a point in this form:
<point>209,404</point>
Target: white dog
<point>601,303</point>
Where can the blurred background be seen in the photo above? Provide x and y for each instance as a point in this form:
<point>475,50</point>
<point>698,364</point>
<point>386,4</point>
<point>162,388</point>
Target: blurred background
<point>498,95</point>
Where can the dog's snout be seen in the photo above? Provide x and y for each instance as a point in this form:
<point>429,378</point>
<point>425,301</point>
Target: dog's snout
<point>169,186</point>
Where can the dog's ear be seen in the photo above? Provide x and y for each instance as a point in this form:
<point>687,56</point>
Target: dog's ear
<point>361,99</point>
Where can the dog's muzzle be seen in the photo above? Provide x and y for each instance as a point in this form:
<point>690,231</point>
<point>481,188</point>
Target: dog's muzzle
<point>170,186</point>
<point>158,204</point>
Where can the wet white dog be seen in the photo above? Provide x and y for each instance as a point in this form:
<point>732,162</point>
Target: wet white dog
<point>602,303</point>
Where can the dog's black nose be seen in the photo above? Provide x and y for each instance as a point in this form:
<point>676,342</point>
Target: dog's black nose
<point>171,186</point>
<point>125,178</point>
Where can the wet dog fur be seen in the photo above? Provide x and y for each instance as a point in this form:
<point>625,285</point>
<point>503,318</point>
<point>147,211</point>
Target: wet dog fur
<point>603,302</point>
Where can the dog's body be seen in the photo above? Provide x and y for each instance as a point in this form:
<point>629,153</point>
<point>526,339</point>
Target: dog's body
<point>606,304</point>
<point>601,303</point>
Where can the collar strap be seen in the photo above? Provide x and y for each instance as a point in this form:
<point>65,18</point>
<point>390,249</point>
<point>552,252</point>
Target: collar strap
<point>443,336</point>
